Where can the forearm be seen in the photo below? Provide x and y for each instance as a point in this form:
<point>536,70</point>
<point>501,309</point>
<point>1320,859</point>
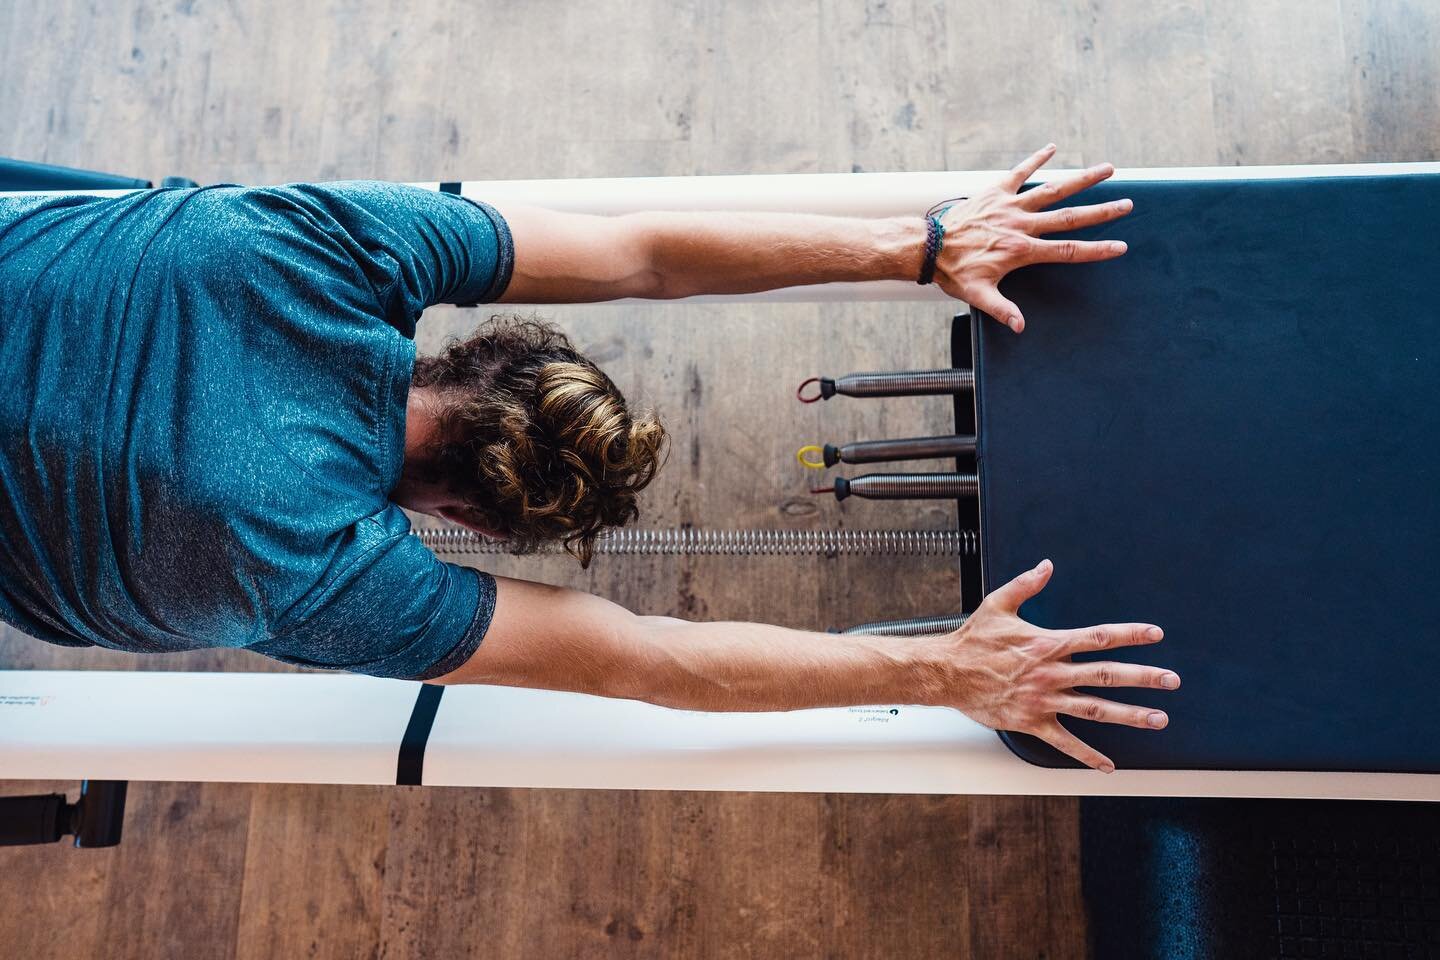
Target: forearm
<point>559,639</point>
<point>581,258</point>
<point>720,253</point>
<point>753,666</point>
<point>997,668</point>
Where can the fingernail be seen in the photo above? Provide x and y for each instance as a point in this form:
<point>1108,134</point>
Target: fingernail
<point>1169,681</point>
<point>1119,246</point>
<point>1127,204</point>
<point>1049,146</point>
<point>1156,720</point>
<point>1154,634</point>
<point>1017,324</point>
<point>1040,567</point>
<point>1107,767</point>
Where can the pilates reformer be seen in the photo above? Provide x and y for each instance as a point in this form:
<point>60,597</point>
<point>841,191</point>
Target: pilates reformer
<point>349,729</point>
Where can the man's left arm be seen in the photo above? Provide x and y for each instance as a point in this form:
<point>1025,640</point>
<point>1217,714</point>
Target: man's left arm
<point>578,258</point>
<point>998,669</point>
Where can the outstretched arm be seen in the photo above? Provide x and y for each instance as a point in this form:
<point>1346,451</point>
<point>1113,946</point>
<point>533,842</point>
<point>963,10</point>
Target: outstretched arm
<point>997,668</point>
<point>579,258</point>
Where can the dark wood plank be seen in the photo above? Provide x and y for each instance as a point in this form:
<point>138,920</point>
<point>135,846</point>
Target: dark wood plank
<point>52,894</point>
<point>314,871</point>
<point>681,874</point>
<point>1025,850</point>
<point>173,884</point>
<point>895,870</point>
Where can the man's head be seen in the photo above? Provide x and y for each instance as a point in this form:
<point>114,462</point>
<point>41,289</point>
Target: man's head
<point>514,433</point>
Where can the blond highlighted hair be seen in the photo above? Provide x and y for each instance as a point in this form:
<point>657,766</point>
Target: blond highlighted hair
<point>536,439</point>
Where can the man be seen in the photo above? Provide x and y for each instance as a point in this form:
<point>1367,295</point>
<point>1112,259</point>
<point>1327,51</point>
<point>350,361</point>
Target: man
<point>215,413</point>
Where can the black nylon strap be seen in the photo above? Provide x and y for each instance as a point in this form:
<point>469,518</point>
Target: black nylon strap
<point>453,186</point>
<point>411,767</point>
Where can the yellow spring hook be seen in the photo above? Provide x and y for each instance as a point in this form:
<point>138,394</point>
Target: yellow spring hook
<point>811,449</point>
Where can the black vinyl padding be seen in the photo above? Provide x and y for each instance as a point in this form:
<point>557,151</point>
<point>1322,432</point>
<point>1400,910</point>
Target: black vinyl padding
<point>1234,432</point>
<point>24,175</point>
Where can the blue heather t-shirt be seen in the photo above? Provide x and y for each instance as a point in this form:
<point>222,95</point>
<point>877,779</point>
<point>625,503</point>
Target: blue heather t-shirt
<point>204,412</point>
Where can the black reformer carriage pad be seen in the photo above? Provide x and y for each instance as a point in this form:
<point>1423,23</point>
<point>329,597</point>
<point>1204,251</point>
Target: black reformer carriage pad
<point>1234,431</point>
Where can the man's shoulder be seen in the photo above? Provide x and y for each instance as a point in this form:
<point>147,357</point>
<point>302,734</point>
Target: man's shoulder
<point>312,197</point>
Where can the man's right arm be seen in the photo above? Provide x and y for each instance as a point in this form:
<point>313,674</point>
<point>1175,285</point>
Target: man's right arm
<point>997,668</point>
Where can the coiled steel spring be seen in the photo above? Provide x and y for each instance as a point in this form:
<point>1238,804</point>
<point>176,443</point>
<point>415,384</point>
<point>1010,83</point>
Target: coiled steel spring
<point>904,486</point>
<point>690,541</point>
<point>913,627</point>
<point>908,383</point>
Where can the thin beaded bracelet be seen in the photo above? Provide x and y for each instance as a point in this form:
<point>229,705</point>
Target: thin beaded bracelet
<point>934,243</point>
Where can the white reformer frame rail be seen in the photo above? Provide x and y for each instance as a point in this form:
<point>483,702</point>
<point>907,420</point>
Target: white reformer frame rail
<point>346,729</point>
<point>299,728</point>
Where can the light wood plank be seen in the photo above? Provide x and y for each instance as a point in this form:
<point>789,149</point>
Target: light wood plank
<point>1391,50</point>
<point>1281,85</point>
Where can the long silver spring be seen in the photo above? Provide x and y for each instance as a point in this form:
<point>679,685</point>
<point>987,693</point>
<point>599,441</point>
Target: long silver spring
<point>913,627</point>
<point>905,486</point>
<point>905,383</point>
<point>691,541</point>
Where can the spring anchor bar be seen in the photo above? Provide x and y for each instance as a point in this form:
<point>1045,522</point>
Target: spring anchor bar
<point>691,541</point>
<point>905,383</point>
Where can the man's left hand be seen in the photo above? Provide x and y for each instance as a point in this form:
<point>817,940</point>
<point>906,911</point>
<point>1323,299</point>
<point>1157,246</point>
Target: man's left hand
<point>1000,229</point>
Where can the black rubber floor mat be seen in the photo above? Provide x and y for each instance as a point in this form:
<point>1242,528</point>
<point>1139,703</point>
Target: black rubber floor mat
<point>1238,879</point>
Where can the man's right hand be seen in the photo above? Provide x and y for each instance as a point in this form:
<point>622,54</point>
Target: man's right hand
<point>1011,675</point>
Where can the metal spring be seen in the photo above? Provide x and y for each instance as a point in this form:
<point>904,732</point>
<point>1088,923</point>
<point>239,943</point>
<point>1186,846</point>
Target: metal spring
<point>906,383</point>
<point>905,486</point>
<point>689,541</point>
<point>913,627</point>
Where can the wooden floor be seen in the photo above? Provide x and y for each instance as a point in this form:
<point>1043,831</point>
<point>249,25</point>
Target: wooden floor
<point>266,92</point>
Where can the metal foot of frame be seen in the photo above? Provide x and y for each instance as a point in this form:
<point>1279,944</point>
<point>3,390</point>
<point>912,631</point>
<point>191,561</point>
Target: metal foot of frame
<point>95,819</point>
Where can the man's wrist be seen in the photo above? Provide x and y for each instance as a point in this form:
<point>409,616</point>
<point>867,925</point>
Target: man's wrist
<point>900,247</point>
<point>928,670</point>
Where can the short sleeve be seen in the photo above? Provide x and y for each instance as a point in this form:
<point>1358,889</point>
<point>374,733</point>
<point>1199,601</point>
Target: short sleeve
<point>419,247</point>
<point>397,611</point>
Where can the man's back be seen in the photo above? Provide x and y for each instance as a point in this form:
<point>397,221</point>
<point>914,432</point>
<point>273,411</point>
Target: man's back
<point>205,413</point>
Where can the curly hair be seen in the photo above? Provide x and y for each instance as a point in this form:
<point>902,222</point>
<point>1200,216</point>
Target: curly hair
<point>536,439</point>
